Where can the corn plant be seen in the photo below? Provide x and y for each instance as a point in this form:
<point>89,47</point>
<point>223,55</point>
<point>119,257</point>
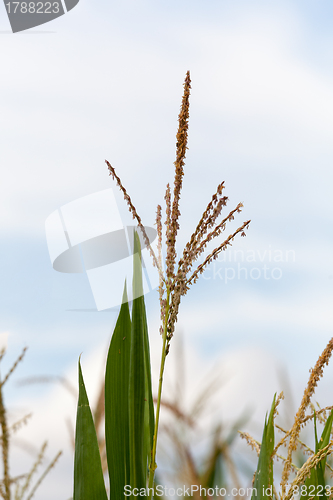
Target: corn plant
<point>131,428</point>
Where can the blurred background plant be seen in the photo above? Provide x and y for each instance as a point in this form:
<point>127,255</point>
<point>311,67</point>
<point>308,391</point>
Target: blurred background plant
<point>311,476</point>
<point>23,486</point>
<point>197,450</point>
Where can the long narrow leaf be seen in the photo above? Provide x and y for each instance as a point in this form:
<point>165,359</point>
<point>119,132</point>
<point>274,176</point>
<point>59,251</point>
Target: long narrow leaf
<point>137,383</point>
<point>315,484</point>
<point>88,475</point>
<point>116,403</point>
<point>325,436</point>
<point>263,482</point>
<point>149,404</point>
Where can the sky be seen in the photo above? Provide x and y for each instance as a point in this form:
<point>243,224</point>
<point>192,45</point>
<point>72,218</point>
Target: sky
<point>105,82</point>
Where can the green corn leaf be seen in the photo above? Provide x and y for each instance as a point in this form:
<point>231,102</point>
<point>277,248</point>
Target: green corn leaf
<point>129,410</point>
<point>318,470</point>
<point>263,481</point>
<point>315,484</point>
<point>149,404</point>
<point>116,403</point>
<point>138,383</point>
<point>325,437</point>
<point>88,475</point>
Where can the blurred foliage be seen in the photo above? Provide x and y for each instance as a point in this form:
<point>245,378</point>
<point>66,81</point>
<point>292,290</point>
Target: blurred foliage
<point>19,487</point>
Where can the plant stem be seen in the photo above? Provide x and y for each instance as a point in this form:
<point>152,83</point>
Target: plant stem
<point>153,465</point>
<point>5,445</point>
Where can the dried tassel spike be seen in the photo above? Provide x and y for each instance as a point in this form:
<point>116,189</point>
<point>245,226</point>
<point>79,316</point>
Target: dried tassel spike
<point>207,218</point>
<point>19,359</point>
<point>159,254</point>
<point>200,269</point>
<point>169,244</point>
<point>306,469</point>
<point>133,211</point>
<point>323,410</point>
<point>181,146</point>
<point>5,445</point>
<point>49,467</point>
<point>218,229</point>
<point>315,375</point>
<point>250,441</point>
<point>279,398</point>
<point>207,221</point>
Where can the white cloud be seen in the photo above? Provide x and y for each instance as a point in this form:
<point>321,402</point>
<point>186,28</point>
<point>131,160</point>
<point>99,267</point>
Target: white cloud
<point>267,101</point>
<point>260,313</point>
<point>4,340</point>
